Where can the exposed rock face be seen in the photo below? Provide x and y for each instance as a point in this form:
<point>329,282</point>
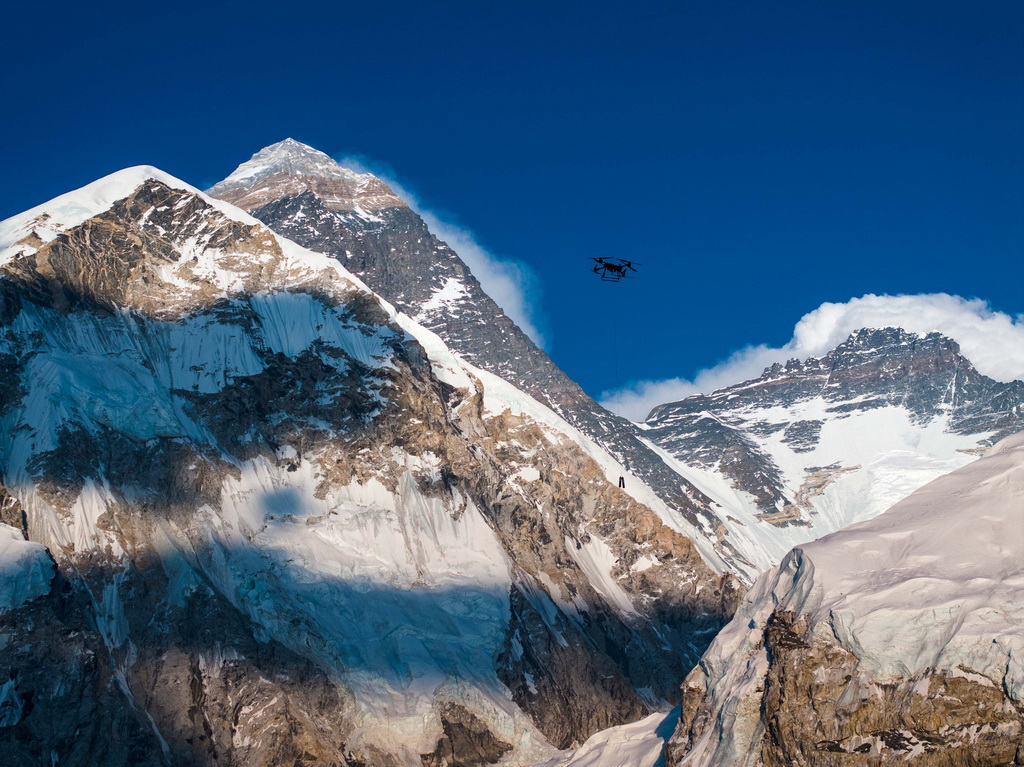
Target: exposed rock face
<point>466,742</point>
<point>389,247</point>
<point>897,641</point>
<point>811,447</point>
<point>290,527</point>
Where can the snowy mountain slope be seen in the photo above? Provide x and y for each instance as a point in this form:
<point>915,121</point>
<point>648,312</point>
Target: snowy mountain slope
<point>288,522</point>
<point>812,447</point>
<point>637,744</point>
<point>897,640</point>
<point>304,195</point>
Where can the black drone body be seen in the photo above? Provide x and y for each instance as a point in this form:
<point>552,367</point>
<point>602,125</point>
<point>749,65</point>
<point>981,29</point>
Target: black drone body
<point>613,269</point>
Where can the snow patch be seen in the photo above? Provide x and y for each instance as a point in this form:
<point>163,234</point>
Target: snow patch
<point>638,744</point>
<point>26,570</point>
<point>444,298</point>
<point>596,560</point>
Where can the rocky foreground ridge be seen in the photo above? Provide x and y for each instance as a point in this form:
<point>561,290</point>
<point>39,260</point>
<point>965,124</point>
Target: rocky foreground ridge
<point>896,641</point>
<point>252,515</point>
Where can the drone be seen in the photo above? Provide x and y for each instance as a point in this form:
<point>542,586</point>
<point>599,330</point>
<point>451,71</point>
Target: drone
<point>611,271</point>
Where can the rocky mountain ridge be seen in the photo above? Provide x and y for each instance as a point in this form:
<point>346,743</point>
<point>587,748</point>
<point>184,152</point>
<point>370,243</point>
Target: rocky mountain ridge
<point>397,256</point>
<point>285,524</point>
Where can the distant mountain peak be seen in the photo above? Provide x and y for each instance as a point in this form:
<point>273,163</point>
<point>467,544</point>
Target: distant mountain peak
<point>891,336</point>
<point>820,443</point>
<point>290,168</point>
<point>866,344</point>
<point>295,158</point>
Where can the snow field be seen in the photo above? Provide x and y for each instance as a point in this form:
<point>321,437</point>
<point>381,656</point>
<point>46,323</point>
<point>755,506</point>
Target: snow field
<point>934,583</point>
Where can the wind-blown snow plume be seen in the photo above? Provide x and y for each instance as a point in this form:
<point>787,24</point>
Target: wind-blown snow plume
<point>512,284</point>
<point>992,341</point>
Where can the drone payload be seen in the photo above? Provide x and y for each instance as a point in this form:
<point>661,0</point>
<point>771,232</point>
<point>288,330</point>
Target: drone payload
<point>613,269</point>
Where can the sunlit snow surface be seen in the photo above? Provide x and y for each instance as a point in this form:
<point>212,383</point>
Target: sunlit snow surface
<point>638,744</point>
<point>934,583</point>
<point>938,580</point>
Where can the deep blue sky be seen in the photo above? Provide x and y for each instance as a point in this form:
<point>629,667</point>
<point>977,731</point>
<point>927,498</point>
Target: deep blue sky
<point>758,158</point>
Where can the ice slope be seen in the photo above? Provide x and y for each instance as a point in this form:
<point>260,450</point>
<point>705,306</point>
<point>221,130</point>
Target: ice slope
<point>934,584</point>
<point>405,603</point>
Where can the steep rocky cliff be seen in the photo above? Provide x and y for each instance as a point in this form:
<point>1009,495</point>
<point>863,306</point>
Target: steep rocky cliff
<point>813,446</point>
<point>270,520</point>
<point>896,641</point>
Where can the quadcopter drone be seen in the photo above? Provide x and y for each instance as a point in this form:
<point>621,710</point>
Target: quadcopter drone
<point>610,271</point>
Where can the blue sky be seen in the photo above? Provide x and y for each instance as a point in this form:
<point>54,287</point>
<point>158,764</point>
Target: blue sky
<point>760,159</point>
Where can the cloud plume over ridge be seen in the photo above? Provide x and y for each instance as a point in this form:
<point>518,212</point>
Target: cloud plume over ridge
<point>992,341</point>
<point>511,284</point>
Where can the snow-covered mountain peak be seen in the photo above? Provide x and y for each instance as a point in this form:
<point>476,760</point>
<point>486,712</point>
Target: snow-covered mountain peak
<point>143,240</point>
<point>893,341</point>
<point>289,168</point>
<point>293,157</point>
<point>864,346</point>
<point>26,230</point>
<point>812,446</point>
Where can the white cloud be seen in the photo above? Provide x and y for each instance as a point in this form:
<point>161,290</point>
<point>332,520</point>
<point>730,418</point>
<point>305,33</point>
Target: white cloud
<point>992,341</point>
<point>512,284</point>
